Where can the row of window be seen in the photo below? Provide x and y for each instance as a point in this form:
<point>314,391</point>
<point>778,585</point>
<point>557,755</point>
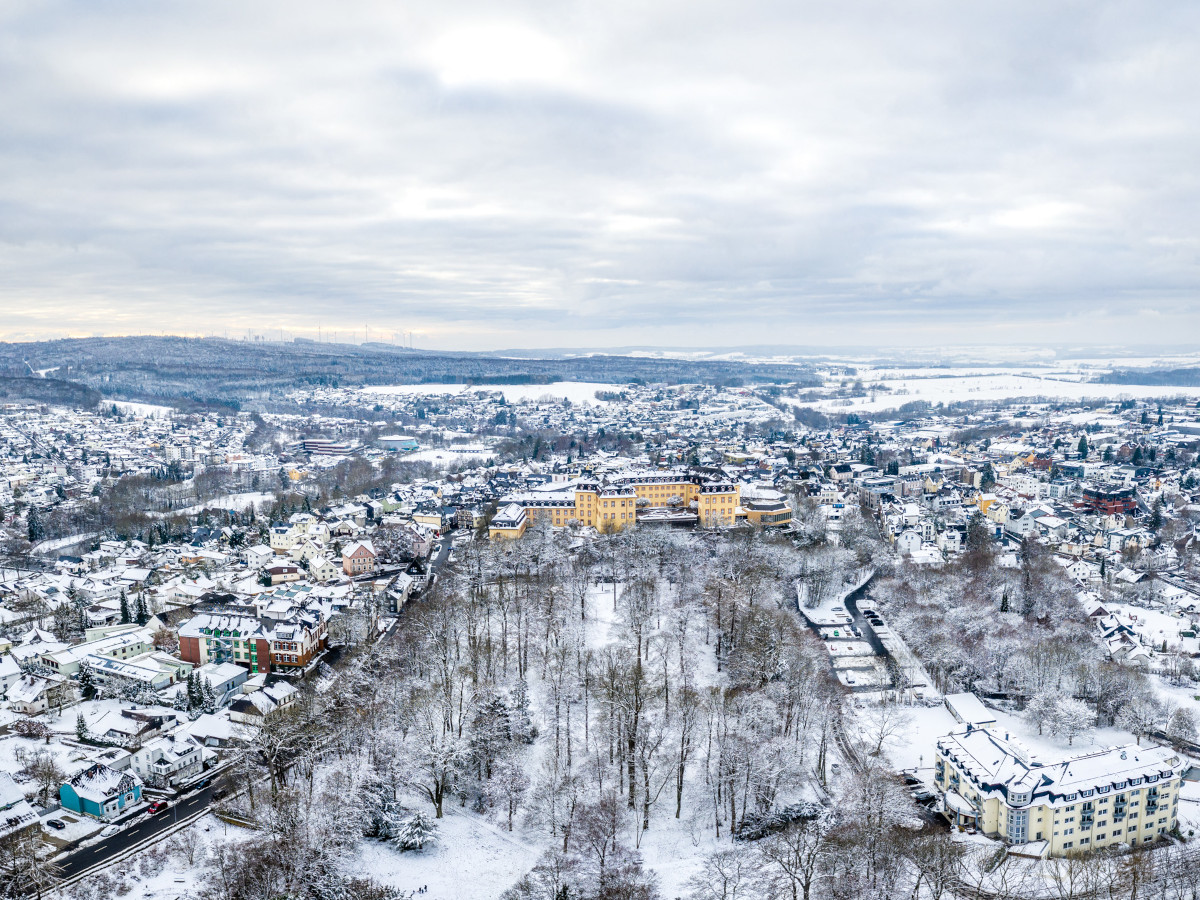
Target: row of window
<point>1067,845</point>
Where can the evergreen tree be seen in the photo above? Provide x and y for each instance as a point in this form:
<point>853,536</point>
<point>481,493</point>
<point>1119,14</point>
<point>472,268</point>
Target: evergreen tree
<point>1004,602</point>
<point>125,616</point>
<point>193,692</point>
<point>1156,514</point>
<point>87,683</point>
<point>34,526</point>
<point>208,697</point>
<point>1083,446</point>
<point>139,609</point>
<point>81,729</point>
<point>521,719</point>
<point>987,479</point>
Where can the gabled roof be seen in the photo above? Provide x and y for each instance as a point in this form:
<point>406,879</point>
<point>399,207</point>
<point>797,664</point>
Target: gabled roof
<point>99,783</point>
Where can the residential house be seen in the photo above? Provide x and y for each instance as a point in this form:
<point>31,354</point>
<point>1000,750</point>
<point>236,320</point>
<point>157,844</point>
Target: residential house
<point>322,570</point>
<point>358,558</point>
<point>168,760</point>
<point>101,792</point>
<point>254,708</point>
<point>16,813</point>
<point>29,695</point>
<point>282,573</point>
<point>10,672</point>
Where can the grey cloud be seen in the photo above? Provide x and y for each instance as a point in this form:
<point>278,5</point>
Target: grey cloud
<point>700,171</point>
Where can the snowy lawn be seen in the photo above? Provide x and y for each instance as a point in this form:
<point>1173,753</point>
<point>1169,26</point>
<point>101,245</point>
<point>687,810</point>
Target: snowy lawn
<point>13,747</point>
<point>473,860</point>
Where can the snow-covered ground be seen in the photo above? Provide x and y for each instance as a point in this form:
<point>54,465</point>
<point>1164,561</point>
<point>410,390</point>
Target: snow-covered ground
<point>445,456</point>
<point>163,872</point>
<point>239,502</point>
<point>912,741</point>
<point>62,543</point>
<point>473,860</point>
<point>143,410</point>
<point>576,391</point>
<point>13,749</point>
<point>955,385</point>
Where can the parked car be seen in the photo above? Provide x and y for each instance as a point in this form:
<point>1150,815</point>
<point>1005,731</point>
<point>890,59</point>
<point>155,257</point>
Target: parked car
<point>157,806</point>
<point>56,824</point>
<point>202,783</point>
<point>110,830</point>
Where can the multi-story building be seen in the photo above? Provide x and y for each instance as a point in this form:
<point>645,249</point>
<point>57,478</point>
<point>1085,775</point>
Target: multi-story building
<point>1120,795</point>
<point>263,644</point>
<point>358,558</point>
<point>614,505</point>
<point>284,538</point>
<point>509,523</point>
<point>1113,502</point>
<point>166,761</point>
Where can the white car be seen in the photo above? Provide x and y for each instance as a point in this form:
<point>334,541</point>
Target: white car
<point>110,830</point>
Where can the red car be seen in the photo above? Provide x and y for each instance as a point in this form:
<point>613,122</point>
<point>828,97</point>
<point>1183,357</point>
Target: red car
<point>157,806</point>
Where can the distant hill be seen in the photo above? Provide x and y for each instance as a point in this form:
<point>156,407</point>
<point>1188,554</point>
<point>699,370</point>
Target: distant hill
<point>215,370</point>
<point>1171,377</point>
<point>48,390</point>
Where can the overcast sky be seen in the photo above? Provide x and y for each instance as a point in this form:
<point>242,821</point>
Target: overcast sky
<point>602,173</point>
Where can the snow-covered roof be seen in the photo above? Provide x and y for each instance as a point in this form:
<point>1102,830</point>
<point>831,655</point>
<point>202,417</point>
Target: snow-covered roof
<point>999,763</point>
<point>99,783</point>
<point>966,707</point>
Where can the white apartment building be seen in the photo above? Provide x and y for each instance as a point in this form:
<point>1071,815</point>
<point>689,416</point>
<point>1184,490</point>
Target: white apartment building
<point>1118,795</point>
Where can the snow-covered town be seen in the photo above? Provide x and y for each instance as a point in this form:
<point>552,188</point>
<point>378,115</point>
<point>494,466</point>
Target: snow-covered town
<point>589,451</point>
<point>661,637</point>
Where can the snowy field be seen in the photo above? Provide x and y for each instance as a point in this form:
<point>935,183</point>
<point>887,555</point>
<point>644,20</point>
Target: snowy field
<point>445,456</point>
<point>143,410</point>
<point>473,860</point>
<point>939,388</point>
<point>576,391</point>
<point>238,502</point>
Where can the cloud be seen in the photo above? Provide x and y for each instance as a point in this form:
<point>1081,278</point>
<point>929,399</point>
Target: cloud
<point>572,175</point>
